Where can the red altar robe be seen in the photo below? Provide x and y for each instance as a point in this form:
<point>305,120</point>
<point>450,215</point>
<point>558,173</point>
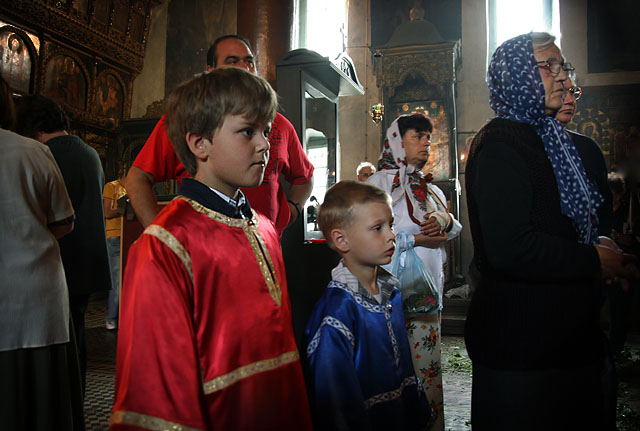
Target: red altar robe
<point>206,337</point>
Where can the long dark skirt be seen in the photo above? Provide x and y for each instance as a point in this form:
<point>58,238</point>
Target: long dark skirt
<point>556,399</point>
<point>40,388</point>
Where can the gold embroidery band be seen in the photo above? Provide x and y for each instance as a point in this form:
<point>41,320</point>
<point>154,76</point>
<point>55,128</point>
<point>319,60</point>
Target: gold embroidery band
<point>124,417</point>
<point>264,262</point>
<point>214,215</point>
<point>250,228</point>
<point>246,371</point>
<point>172,242</point>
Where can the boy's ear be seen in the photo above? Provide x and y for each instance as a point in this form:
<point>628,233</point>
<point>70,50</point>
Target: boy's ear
<point>198,145</point>
<point>339,239</point>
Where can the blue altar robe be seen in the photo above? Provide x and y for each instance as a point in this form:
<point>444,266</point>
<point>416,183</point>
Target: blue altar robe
<point>361,375</point>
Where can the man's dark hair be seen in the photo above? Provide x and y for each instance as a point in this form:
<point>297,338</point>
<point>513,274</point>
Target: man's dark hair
<point>416,121</point>
<point>212,54</point>
<point>7,111</point>
<point>37,114</point>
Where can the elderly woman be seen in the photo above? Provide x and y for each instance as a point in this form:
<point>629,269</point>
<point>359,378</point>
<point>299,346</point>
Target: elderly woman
<point>422,222</point>
<point>532,329</point>
<point>365,170</point>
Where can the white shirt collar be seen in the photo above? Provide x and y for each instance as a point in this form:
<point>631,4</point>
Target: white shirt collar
<point>229,200</point>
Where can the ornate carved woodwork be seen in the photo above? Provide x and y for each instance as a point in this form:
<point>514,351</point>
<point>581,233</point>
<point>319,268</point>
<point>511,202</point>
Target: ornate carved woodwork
<point>113,29</point>
<point>435,64</point>
<point>85,55</point>
<point>421,77</point>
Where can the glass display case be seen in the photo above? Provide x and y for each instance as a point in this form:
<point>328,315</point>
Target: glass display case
<point>309,87</point>
<point>321,146</point>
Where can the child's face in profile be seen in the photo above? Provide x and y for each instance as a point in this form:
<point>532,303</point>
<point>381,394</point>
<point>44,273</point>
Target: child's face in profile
<point>370,235</point>
<point>237,155</point>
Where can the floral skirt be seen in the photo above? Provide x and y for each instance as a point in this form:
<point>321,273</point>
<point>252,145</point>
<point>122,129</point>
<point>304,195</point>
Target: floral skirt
<point>424,338</point>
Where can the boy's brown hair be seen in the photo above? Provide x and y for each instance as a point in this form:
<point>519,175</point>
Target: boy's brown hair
<point>201,104</point>
<point>336,212</point>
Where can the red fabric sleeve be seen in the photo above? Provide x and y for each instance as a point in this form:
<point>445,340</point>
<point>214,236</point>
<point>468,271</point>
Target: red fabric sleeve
<point>157,374</point>
<point>299,169</point>
<point>158,157</point>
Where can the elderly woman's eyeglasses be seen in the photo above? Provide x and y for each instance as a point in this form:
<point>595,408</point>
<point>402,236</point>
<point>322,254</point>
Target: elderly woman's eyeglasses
<point>575,91</point>
<point>554,67</point>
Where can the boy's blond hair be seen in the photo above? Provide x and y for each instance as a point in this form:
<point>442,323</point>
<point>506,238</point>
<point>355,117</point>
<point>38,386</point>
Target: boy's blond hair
<point>336,212</point>
<point>201,104</point>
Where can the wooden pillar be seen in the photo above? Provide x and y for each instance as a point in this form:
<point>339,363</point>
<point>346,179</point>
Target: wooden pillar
<point>268,25</point>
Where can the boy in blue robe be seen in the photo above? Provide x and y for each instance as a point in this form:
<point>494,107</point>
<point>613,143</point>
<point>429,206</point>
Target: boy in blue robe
<point>361,375</point>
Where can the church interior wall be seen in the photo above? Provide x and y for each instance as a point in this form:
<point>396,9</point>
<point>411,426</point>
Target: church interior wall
<point>360,138</point>
<point>149,86</point>
<point>181,33</point>
<point>613,94</point>
<point>472,101</point>
<point>182,30</point>
<point>191,28</point>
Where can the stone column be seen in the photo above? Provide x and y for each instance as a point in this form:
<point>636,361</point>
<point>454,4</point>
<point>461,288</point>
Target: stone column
<point>268,25</point>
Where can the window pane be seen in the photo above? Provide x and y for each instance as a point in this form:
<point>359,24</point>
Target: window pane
<point>510,18</point>
<point>325,26</point>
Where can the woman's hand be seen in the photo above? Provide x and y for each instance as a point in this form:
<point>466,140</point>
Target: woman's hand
<point>430,226</point>
<point>608,242</point>
<point>431,241</point>
<point>617,266</point>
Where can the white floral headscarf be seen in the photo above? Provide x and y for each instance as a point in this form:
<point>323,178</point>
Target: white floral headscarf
<point>407,178</point>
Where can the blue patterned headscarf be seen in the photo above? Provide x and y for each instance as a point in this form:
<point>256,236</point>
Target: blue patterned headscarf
<point>517,93</point>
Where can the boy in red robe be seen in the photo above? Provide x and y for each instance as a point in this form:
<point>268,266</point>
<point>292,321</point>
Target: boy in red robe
<point>206,338</point>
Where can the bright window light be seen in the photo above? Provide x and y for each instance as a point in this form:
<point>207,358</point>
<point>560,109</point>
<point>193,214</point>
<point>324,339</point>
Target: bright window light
<point>325,26</point>
<point>515,17</point>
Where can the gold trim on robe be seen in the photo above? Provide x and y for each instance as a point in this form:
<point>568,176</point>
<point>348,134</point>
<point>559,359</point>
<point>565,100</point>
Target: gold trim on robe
<point>219,217</point>
<point>146,421</point>
<point>264,261</point>
<point>172,242</point>
<point>250,228</point>
<point>250,370</point>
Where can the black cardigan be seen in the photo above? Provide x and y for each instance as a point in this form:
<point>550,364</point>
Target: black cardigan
<point>537,300</point>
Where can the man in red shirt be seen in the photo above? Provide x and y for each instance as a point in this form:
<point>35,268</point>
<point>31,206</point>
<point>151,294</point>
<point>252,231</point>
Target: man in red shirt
<point>158,162</point>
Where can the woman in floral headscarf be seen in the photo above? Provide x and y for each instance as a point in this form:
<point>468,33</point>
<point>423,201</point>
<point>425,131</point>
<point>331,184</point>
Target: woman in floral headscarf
<point>532,329</point>
<point>423,223</point>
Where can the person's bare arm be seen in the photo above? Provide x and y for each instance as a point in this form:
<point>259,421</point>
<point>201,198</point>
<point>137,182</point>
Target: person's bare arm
<point>430,226</point>
<point>109,209</point>
<point>60,231</point>
<point>61,227</point>
<point>139,185</point>
<point>616,264</point>
<point>299,193</point>
<point>430,241</point>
